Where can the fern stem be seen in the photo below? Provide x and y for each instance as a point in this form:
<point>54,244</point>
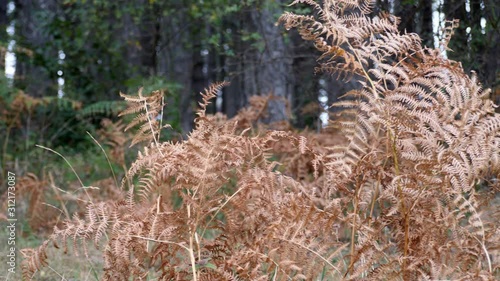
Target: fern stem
<point>55,271</point>
<point>364,71</point>
<point>218,210</point>
<point>191,256</point>
<point>277,266</point>
<point>161,241</point>
<point>161,114</point>
<point>481,242</point>
<point>353,230</point>
<point>313,252</point>
<point>126,178</point>
<point>374,198</point>
<point>152,130</point>
<point>403,205</point>
<point>190,250</point>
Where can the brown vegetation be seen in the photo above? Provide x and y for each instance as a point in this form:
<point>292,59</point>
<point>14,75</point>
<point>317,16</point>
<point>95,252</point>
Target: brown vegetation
<point>406,197</point>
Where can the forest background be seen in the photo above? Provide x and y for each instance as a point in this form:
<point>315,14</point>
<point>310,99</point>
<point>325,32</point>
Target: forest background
<point>73,57</point>
<point>78,55</point>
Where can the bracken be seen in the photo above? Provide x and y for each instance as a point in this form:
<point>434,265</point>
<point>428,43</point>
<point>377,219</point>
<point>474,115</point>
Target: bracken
<point>403,199</point>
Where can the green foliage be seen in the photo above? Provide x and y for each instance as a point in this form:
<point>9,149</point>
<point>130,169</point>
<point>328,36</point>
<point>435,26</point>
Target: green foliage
<point>151,84</point>
<point>255,40</point>
<point>102,108</point>
<point>93,65</point>
<point>61,123</point>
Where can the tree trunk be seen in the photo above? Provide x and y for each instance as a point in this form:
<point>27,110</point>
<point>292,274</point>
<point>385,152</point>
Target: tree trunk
<point>175,62</point>
<point>235,96</point>
<point>492,53</point>
<point>32,53</point>
<point>455,9</point>
<point>307,83</point>
<point>406,12</point>
<point>3,32</point>
<point>425,23</point>
<point>273,63</point>
<point>132,52</point>
<point>149,38</point>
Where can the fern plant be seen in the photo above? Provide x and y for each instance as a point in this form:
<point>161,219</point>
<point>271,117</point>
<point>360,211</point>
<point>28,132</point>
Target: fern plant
<point>150,120</point>
<point>421,135</point>
<point>398,201</point>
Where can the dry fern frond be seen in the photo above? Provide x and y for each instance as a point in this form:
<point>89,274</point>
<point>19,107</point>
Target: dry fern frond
<point>35,259</point>
<point>418,129</point>
<point>448,30</point>
<point>114,135</point>
<point>210,93</point>
<point>256,114</point>
<point>350,42</point>
<point>40,216</point>
<point>408,196</point>
<point>148,110</point>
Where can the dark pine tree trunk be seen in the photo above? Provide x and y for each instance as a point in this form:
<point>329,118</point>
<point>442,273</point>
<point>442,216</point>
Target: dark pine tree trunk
<point>425,23</point>
<point>273,63</point>
<point>492,53</point>
<point>3,26</point>
<point>455,9</point>
<point>31,52</point>
<point>236,94</point>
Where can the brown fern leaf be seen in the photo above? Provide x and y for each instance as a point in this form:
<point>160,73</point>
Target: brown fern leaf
<point>350,41</point>
<point>207,95</point>
<point>34,260</point>
<point>148,110</point>
<point>408,196</point>
<point>421,135</point>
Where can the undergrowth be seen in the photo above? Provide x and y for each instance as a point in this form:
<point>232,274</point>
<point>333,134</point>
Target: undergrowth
<point>407,196</point>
